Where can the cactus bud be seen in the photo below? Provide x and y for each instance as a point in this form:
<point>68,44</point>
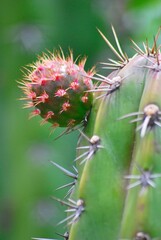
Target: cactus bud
<point>57,87</point>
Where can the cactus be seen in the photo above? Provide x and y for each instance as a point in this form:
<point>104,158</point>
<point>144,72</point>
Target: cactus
<point>56,87</point>
<point>115,193</point>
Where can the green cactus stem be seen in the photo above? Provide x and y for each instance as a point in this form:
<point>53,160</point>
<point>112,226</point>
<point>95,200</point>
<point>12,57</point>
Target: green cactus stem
<point>116,193</point>
<point>115,209</point>
<point>101,185</point>
<point>143,199</point>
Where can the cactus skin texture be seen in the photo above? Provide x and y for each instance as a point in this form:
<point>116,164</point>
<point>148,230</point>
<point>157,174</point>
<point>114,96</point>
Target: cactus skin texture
<point>116,193</point>
<point>121,183</point>
<point>56,86</point>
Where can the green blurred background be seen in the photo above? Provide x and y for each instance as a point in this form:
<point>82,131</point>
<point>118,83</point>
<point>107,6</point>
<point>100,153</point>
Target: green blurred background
<point>28,28</point>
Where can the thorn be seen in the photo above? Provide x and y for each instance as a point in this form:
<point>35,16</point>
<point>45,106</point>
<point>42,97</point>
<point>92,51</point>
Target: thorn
<point>109,90</point>
<point>111,46</point>
<point>65,235</point>
<point>83,147</point>
<point>158,123</point>
<point>147,48</point>
<point>112,64</point>
<point>111,68</point>
<point>155,51</point>
<point>118,44</point>
<point>65,107</point>
<point>155,40</point>
<point>30,95</point>
<point>84,135</point>
<point>48,116</point>
<point>69,192</point>
<point>34,113</point>
<point>145,179</point>
<point>82,155</point>
<point>41,99</point>
<point>137,48</point>
<point>28,105</point>
<point>136,120</point>
<point>74,206</point>
<point>70,128</point>
<point>144,126</point>
<point>74,85</point>
<point>94,145</point>
<point>102,95</point>
<point>66,131</point>
<point>115,83</point>
<point>126,56</point>
<point>116,63</point>
<point>68,173</point>
<point>101,78</point>
<point>90,154</point>
<point>150,117</point>
<point>64,202</point>
<point>157,55</point>
<point>53,127</point>
<point>66,185</point>
<point>60,93</point>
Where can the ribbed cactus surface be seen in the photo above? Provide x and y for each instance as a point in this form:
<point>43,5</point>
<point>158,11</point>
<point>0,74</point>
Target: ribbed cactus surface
<point>115,193</point>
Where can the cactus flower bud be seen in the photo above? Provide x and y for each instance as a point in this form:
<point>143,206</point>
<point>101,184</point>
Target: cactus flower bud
<point>57,87</point>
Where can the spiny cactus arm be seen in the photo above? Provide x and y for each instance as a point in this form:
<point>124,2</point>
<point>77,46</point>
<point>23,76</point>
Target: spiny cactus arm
<point>101,182</point>
<point>117,189</point>
<point>142,207</point>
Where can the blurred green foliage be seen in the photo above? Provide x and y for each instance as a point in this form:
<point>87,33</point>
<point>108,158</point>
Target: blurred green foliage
<point>28,28</point>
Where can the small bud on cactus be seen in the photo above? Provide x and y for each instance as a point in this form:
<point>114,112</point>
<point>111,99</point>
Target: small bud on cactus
<point>57,88</point>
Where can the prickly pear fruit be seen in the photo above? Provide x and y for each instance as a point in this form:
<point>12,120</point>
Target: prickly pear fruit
<point>58,89</point>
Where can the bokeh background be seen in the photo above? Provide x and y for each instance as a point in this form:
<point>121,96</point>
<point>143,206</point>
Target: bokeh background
<point>28,28</point>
